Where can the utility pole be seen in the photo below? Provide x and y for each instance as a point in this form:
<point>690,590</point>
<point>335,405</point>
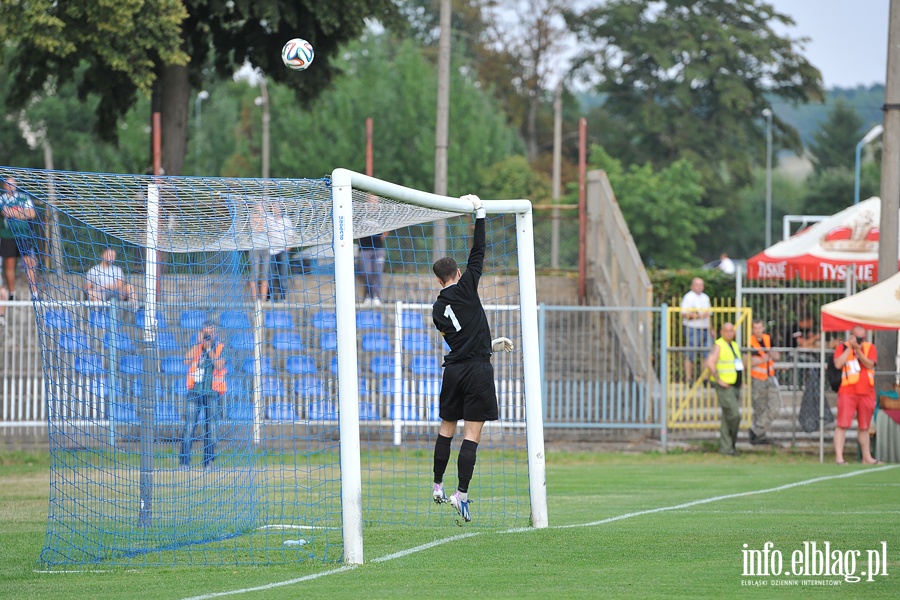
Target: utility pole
<point>557,174</point>
<point>442,135</point>
<point>886,341</point>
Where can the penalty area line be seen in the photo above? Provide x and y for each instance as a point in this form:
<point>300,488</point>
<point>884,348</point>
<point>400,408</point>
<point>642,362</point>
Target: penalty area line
<point>462,536</point>
<point>779,488</point>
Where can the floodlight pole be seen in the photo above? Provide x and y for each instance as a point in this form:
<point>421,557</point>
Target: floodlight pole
<point>868,138</point>
<point>767,113</point>
<point>201,96</point>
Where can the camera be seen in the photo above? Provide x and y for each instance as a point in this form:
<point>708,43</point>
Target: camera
<point>860,340</point>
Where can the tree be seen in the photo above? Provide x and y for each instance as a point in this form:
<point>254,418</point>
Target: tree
<point>525,38</point>
<point>662,208</point>
<point>688,79</point>
<point>133,45</point>
<point>831,190</point>
<point>834,144</point>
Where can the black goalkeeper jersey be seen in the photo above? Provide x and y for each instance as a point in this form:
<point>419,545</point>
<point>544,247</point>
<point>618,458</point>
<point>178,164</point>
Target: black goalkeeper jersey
<point>458,314</point>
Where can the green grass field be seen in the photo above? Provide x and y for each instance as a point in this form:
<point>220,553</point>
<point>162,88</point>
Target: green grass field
<point>622,526</point>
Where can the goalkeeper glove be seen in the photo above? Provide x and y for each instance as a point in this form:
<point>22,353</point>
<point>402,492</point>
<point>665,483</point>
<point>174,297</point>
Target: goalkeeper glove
<point>477,205</point>
<point>502,344</point>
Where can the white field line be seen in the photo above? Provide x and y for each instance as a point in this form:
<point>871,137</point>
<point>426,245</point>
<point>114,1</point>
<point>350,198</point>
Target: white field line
<point>455,538</point>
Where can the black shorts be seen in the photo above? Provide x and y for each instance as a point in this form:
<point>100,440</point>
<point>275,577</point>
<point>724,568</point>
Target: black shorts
<point>8,248</point>
<point>468,392</point>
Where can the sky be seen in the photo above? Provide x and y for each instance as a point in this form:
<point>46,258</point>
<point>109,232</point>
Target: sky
<point>848,38</point>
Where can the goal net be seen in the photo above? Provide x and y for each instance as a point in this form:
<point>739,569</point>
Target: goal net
<point>220,391</point>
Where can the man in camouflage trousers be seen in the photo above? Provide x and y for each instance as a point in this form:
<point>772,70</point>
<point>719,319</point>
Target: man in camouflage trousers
<point>765,392</point>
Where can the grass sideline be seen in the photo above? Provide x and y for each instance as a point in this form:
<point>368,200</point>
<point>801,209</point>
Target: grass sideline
<point>694,551</point>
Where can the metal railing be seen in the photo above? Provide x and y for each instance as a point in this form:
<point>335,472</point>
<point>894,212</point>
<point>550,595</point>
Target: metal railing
<point>588,385</point>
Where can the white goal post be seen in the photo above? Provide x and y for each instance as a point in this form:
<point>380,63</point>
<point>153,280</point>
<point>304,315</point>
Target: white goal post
<point>343,184</point>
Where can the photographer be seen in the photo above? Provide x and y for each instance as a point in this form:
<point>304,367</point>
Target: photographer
<point>856,358</point>
<point>206,384</point>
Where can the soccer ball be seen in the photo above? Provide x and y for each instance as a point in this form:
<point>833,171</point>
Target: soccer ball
<point>297,54</point>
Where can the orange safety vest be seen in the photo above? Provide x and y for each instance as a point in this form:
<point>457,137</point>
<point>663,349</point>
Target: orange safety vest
<point>848,378</point>
<point>762,370</point>
<point>218,382</point>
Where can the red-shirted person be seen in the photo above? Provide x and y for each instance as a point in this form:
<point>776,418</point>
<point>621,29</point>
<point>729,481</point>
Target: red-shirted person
<point>857,359</point>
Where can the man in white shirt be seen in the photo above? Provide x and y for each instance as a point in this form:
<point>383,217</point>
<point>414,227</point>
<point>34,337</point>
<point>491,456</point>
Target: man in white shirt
<point>106,281</point>
<point>726,265</point>
<point>695,314</point>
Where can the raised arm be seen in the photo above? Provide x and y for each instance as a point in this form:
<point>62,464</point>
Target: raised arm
<point>475,265</point>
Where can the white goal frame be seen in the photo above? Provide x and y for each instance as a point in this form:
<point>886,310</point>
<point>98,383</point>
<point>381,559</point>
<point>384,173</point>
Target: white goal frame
<point>343,182</point>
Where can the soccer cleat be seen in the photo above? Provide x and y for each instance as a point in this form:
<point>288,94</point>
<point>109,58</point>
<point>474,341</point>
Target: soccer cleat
<point>461,506</point>
<point>438,494</point>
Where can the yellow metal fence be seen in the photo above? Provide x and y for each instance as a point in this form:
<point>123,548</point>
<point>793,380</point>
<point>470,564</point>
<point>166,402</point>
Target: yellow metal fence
<point>692,402</point>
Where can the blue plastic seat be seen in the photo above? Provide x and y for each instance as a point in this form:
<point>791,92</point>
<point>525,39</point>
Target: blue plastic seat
<point>236,388</point>
<point>119,341</point>
<point>430,387</point>
<point>75,342</point>
<point>166,412</point>
<point>265,366</point>
<point>272,388</point>
<point>100,318</point>
<point>412,320</point>
<point>368,412</point>
<point>390,386</point>
<point>425,365</point>
<point>309,388</point>
<point>281,411</point>
<point>322,410</point>
<point>124,412</point>
<point>279,319</point>
<point>300,365</point>
<point>240,340</point>
<point>89,364</point>
<point>173,365</point>
<point>131,364</point>
<point>369,319</point>
<point>192,319</point>
<point>328,341</point>
<point>376,342</point>
<point>382,364</point>
<point>334,365</point>
<point>58,319</point>
<point>287,341</point>
<point>167,342</point>
<point>234,319</point>
<point>324,319</point>
<point>417,341</point>
<point>406,411</point>
<point>239,411</point>
<point>141,314</point>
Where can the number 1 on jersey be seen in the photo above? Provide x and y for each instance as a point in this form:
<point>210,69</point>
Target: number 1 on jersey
<point>448,312</point>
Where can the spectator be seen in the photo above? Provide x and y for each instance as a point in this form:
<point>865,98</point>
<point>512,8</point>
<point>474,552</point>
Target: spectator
<point>726,265</point>
<point>695,314</point>
<point>106,281</point>
<point>281,236</point>
<point>803,336</point>
<point>727,368</point>
<point>206,385</point>
<point>765,391</point>
<point>19,221</point>
<point>262,222</point>
<point>857,359</point>
<point>372,255</point>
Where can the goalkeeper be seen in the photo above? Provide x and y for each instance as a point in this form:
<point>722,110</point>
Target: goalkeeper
<point>468,391</point>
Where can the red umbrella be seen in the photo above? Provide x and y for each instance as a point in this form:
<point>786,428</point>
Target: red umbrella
<point>827,250</point>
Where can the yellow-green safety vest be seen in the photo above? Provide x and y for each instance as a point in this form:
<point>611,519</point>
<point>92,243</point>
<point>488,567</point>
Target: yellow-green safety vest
<point>725,365</point>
